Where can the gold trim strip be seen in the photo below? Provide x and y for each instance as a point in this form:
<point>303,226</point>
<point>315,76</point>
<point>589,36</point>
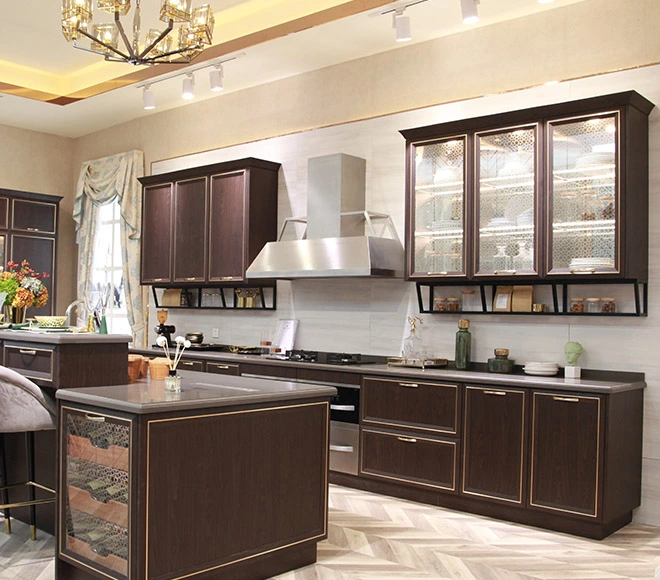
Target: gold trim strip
<point>326,404</point>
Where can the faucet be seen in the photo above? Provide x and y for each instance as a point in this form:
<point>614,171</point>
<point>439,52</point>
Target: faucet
<point>79,307</point>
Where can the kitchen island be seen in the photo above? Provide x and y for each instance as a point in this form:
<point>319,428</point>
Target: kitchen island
<point>226,479</point>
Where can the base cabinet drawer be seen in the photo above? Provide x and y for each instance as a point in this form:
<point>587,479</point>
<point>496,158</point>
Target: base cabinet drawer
<point>191,365</point>
<point>419,405</point>
<point>30,361</point>
<point>219,368</point>
<point>409,458</point>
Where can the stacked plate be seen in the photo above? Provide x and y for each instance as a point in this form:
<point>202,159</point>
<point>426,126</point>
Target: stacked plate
<point>544,369</point>
<point>588,263</point>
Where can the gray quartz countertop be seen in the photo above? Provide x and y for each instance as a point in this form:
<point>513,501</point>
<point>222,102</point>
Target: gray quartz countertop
<point>198,391</point>
<point>50,337</point>
<point>592,381</point>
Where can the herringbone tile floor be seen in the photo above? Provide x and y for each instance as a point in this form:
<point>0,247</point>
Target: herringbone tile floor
<point>372,537</point>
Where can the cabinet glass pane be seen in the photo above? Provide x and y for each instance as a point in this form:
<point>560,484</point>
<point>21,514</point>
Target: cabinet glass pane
<point>439,218</point>
<point>584,204</point>
<point>506,201</point>
<point>96,491</point>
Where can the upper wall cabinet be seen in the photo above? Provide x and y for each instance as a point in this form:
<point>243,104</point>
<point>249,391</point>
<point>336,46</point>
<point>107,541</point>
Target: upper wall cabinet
<point>558,192</point>
<point>204,226</point>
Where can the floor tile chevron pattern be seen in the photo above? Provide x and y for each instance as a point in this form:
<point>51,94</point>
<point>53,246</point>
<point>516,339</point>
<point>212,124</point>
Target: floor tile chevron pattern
<point>372,537</point>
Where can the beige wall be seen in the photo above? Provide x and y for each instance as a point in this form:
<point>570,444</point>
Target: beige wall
<point>41,163</point>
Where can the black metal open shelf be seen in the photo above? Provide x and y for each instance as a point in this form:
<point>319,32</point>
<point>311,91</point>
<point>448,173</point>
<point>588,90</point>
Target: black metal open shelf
<point>487,290</point>
<point>264,297</point>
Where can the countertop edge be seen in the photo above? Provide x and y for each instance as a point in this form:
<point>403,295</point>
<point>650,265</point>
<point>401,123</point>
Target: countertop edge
<point>64,337</point>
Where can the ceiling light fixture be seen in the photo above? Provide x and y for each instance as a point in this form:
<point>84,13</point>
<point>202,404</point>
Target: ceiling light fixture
<point>215,78</point>
<point>195,32</point>
<point>401,24</point>
<point>188,89</point>
<point>469,11</point>
<point>148,98</point>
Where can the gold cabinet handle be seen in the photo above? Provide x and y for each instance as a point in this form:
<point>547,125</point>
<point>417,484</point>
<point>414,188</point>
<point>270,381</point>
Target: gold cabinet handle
<point>26,351</point>
<point>186,363</point>
<point>407,439</point>
<point>158,279</point>
<point>504,272</point>
<point>498,393</point>
<point>191,279</point>
<point>97,418</point>
<point>437,273</point>
<point>583,271</point>
<point>566,399</point>
<point>222,367</point>
<point>409,385</point>
<point>227,277</point>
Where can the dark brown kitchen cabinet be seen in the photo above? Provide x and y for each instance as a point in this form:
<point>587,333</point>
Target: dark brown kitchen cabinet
<point>567,439</point>
<point>28,231</point>
<point>222,368</point>
<point>557,191</point>
<point>409,432</point>
<point>210,222</point>
<point>189,255</point>
<point>494,450</point>
<point>189,364</point>
<point>157,243</point>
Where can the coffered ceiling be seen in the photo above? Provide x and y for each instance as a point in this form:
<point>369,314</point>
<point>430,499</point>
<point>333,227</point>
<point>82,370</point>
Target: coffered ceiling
<point>47,85</point>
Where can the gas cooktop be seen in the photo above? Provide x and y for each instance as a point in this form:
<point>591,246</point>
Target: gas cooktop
<point>331,358</point>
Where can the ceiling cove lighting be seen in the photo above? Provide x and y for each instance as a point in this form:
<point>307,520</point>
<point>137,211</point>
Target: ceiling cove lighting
<point>545,1</point>
<point>401,24</point>
<point>215,78</point>
<point>469,11</point>
<point>158,46</point>
<point>148,98</point>
<point>188,88</point>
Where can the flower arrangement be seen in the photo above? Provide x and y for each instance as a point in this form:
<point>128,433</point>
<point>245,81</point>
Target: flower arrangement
<point>23,286</point>
<point>181,345</point>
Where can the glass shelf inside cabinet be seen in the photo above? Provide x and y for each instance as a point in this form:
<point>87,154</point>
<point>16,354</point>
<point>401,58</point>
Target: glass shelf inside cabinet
<point>439,189</point>
<point>506,200</point>
<point>584,205</point>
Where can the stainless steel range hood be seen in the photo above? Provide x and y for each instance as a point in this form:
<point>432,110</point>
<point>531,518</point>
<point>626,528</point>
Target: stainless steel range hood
<point>335,244</point>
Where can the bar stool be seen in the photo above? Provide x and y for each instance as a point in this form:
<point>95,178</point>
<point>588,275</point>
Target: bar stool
<point>23,409</point>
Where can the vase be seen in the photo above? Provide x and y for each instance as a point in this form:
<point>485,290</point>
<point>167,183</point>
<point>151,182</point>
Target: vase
<point>14,314</point>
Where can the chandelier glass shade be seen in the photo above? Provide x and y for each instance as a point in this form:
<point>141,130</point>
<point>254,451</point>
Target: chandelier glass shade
<point>159,46</point>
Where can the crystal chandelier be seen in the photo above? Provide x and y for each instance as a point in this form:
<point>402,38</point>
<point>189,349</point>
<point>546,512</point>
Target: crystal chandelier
<point>195,32</point>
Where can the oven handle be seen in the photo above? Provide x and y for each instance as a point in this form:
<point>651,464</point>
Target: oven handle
<point>342,407</point>
<point>342,448</point>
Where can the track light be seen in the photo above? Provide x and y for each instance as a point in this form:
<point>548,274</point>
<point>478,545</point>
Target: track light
<point>469,11</point>
<point>215,78</point>
<point>148,98</point>
<point>188,90</point>
<point>401,24</point>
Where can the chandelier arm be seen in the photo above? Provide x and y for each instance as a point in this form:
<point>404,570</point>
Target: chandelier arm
<point>98,41</point>
<point>162,35</point>
<point>132,56</point>
<point>173,52</point>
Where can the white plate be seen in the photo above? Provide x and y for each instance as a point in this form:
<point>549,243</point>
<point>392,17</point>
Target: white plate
<point>540,373</point>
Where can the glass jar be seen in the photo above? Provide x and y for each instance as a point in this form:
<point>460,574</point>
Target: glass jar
<point>453,305</point>
<point>471,300</point>
<point>608,305</point>
<point>501,363</point>
<point>577,305</point>
<point>440,304</point>
<point>593,305</point>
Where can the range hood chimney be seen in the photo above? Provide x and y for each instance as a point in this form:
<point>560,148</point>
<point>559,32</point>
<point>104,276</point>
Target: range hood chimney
<point>335,244</point>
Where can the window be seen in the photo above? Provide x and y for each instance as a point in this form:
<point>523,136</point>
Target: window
<point>107,266</point>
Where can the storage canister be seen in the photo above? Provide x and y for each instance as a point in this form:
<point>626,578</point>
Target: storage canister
<point>608,305</point>
<point>593,305</point>
<point>440,304</point>
<point>501,363</point>
<point>453,305</point>
<point>577,305</point>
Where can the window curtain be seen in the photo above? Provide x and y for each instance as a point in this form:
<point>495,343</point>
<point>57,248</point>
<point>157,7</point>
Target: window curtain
<point>100,182</point>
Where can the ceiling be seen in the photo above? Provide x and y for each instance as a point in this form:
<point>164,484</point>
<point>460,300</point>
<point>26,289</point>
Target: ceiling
<point>49,86</point>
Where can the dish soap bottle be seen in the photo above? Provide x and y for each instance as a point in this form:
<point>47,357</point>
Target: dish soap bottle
<point>412,344</point>
<point>463,345</point>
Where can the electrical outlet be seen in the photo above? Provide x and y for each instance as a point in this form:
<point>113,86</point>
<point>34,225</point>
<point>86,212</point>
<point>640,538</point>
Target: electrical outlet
<point>215,333</point>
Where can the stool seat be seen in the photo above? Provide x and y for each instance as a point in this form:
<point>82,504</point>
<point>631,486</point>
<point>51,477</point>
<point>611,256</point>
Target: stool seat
<point>24,408</point>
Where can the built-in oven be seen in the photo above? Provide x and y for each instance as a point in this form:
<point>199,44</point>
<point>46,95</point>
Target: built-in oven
<point>344,429</point>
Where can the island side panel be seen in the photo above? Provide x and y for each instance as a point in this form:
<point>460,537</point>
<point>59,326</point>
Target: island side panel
<point>235,488</point>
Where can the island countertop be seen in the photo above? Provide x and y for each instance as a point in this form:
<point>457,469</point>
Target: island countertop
<point>198,391</point>
<point>50,337</point>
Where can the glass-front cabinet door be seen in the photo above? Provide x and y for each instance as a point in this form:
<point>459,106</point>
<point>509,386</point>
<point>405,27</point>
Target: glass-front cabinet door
<point>583,201</point>
<point>506,193</point>
<point>437,220</point>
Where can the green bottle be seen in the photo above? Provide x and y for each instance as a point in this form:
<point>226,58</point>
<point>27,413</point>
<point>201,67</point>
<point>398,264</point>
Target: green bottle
<point>463,345</point>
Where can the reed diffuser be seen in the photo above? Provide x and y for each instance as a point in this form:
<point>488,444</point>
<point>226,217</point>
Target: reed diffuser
<point>173,381</point>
